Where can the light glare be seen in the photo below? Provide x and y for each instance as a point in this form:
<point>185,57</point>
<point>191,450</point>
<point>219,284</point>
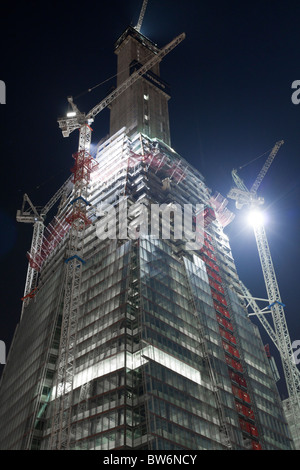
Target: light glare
<point>255,217</point>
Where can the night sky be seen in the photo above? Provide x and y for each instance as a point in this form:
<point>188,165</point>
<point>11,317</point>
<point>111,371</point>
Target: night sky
<point>231,101</point>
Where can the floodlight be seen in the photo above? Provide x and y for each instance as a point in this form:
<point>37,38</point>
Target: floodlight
<point>255,217</point>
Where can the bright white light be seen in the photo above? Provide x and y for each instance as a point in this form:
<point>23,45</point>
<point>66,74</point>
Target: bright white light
<point>133,361</point>
<point>255,217</point>
<point>71,114</point>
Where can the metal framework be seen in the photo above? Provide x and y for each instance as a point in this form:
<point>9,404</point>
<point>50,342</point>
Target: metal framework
<point>224,427</point>
<point>141,17</point>
<point>241,194</point>
<point>61,420</point>
<point>266,166</point>
<point>32,274</point>
<point>276,306</point>
<point>31,214</point>
<point>84,165</point>
<point>278,333</point>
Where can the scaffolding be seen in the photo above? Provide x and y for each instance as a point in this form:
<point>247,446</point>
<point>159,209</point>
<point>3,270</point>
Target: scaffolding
<point>78,220</point>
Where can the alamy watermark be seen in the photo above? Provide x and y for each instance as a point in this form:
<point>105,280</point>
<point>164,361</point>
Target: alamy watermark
<point>296,344</point>
<point>2,92</point>
<point>137,220</point>
<point>2,353</point>
<point>296,94</point>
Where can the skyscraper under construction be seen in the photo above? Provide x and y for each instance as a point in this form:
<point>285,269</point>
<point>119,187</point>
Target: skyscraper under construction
<point>128,340</point>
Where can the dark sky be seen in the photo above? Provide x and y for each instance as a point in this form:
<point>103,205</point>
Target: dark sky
<point>231,101</point>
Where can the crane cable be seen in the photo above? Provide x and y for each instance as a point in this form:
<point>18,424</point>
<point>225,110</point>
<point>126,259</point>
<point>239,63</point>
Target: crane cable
<point>254,159</point>
<point>110,78</point>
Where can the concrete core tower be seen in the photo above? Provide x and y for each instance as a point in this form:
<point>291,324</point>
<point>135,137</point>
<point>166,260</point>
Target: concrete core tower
<point>144,106</point>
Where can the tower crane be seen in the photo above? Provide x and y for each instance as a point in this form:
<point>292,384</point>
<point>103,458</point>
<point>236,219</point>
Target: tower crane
<point>241,194</point>
<point>36,216</point>
<point>84,164</point>
<point>278,333</point>
<point>76,119</point>
<point>141,17</point>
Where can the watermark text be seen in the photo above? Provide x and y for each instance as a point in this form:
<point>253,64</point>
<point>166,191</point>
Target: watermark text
<point>137,220</point>
<point>296,94</point>
<point>296,354</point>
<point>2,353</point>
<point>2,92</point>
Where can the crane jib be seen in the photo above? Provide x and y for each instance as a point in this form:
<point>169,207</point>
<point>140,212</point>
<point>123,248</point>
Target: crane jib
<point>68,125</point>
<point>135,76</point>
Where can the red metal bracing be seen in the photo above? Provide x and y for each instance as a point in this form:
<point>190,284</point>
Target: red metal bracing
<point>249,413</point>
<point>216,286</point>
<point>231,349</point>
<point>214,275</point>
<point>134,158</point>
<point>238,393</point>
<point>244,410</point>
<point>84,165</point>
<point>209,254</point>
<point>245,426</point>
<point>256,446</point>
<point>234,364</point>
<point>246,397</point>
<point>222,310</point>
<point>238,379</point>
<point>78,214</point>
<point>30,295</point>
<point>224,322</point>
<point>176,171</point>
<point>253,431</point>
<point>241,394</point>
<point>248,428</point>
<point>208,245</point>
<point>227,335</point>
<point>267,349</point>
<point>224,215</point>
<point>53,234</point>
<point>212,265</point>
<point>219,298</point>
<point>159,161</point>
<point>209,216</point>
<point>232,355</point>
<point>32,262</point>
<point>156,161</point>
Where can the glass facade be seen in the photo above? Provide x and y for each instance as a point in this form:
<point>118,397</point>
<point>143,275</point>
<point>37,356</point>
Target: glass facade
<point>27,380</point>
<point>166,357</point>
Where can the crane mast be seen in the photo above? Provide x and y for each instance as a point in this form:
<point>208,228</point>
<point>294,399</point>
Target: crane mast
<point>291,373</point>
<point>278,333</point>
<point>265,168</point>
<point>61,421</point>
<point>84,165</point>
<point>31,214</point>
